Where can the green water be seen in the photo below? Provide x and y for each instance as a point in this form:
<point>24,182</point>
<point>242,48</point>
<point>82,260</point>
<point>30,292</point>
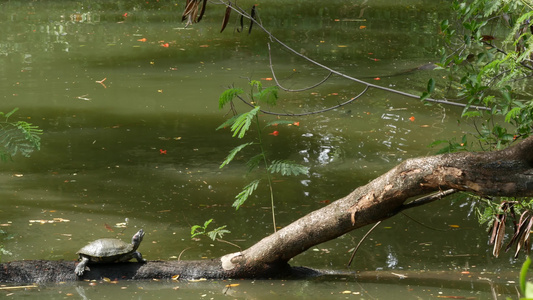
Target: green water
<point>101,160</point>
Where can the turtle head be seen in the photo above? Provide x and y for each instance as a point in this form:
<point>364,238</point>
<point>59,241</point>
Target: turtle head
<point>137,238</point>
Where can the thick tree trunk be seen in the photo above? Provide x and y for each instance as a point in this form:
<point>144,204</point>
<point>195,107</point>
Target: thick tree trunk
<point>502,173</point>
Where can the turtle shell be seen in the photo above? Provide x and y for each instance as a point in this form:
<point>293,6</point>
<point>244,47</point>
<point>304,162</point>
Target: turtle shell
<point>106,250</point>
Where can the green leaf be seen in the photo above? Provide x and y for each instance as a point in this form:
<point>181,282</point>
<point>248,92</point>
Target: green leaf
<point>228,122</point>
<point>233,152</point>
<point>218,232</point>
<point>257,84</point>
<point>194,232</point>
<point>206,223</point>
<point>512,114</point>
<point>424,96</point>
<point>227,96</point>
<point>523,276</point>
<point>254,162</point>
<point>7,115</point>
<point>20,137</point>
<point>243,122</point>
<point>245,193</point>
<point>471,114</point>
<point>286,167</point>
<point>431,85</point>
<point>268,95</point>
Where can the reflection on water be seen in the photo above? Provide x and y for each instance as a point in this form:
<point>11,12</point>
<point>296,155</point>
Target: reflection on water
<point>128,101</point>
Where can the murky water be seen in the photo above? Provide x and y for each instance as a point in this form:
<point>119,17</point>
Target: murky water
<point>127,98</point>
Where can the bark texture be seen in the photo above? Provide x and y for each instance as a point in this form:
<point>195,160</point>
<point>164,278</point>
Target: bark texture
<point>501,173</point>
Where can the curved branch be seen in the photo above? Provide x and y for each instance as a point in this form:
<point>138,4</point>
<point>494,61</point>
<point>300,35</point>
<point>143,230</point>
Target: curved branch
<point>286,89</point>
<point>307,113</point>
<point>273,38</point>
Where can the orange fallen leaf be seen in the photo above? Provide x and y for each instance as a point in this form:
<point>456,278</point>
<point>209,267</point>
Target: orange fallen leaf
<point>412,119</point>
<point>108,227</point>
<point>204,46</point>
<point>377,78</point>
<point>142,40</point>
<point>233,284</point>
<point>362,27</point>
<point>166,45</point>
<point>274,133</point>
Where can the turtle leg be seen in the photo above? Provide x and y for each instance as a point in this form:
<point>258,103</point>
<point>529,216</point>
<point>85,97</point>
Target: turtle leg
<point>80,268</point>
<point>138,256</point>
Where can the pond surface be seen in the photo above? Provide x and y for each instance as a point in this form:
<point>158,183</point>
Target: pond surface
<point>128,101</point>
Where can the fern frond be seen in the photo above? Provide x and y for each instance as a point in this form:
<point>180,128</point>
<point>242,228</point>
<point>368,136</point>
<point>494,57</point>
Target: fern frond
<point>243,122</point>
<point>31,132</point>
<point>20,137</point>
<point>228,122</point>
<point>232,154</point>
<point>218,232</point>
<point>254,162</point>
<point>286,167</point>
<point>268,95</point>
<point>227,96</point>
<point>7,115</point>
<point>245,193</point>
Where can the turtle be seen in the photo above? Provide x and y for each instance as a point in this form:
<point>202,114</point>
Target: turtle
<point>109,250</point>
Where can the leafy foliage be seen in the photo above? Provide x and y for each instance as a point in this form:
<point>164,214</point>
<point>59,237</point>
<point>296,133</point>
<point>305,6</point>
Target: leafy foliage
<point>18,137</point>
<point>246,192</point>
<point>526,287</point>
<point>232,154</point>
<point>227,96</point>
<point>489,59</point>
<point>240,126</point>
<point>489,55</point>
<point>213,234</point>
<point>243,122</point>
<point>286,167</point>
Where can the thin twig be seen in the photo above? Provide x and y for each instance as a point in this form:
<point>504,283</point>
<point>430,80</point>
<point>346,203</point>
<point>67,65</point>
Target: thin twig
<point>286,89</point>
<point>427,199</point>
<point>307,113</point>
<point>361,241</point>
